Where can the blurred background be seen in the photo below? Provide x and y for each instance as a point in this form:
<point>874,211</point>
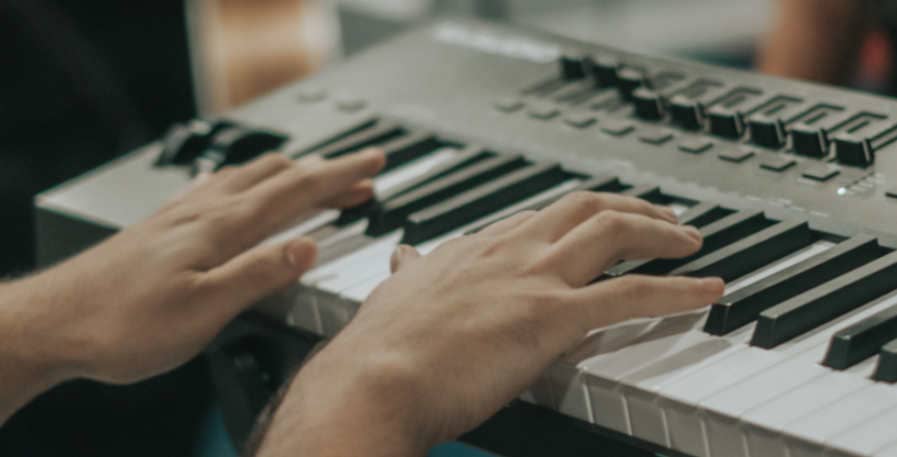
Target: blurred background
<point>84,82</point>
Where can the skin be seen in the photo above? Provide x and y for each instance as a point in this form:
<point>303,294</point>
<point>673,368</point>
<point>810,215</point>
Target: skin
<point>434,351</point>
<point>154,295</point>
<point>817,40</point>
<point>452,337</point>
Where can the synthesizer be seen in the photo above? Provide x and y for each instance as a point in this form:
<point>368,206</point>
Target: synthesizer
<point>793,185</point>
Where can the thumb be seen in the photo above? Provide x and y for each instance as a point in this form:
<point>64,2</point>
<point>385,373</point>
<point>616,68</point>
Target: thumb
<point>256,273</point>
<point>401,257</point>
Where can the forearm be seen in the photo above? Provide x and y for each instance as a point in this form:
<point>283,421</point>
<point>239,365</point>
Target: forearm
<point>325,413</point>
<point>815,39</point>
<point>28,365</point>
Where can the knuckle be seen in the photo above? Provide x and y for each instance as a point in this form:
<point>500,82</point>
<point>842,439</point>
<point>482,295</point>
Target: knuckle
<point>584,203</point>
<point>278,160</point>
<point>613,223</point>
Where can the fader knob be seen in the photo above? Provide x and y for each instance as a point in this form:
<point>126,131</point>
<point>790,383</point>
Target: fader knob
<point>853,150</point>
<point>767,131</point>
<point>602,68</point>
<point>725,122</point>
<point>572,65</point>
<point>649,105</point>
<point>628,80</point>
<point>809,141</point>
<point>687,113</point>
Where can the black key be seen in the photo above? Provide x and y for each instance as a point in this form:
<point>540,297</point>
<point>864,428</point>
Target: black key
<point>891,193</point>
<point>645,191</point>
<point>886,371</point>
<point>392,213</point>
<point>704,214</point>
<point>826,302</point>
<point>480,201</point>
<point>599,184</point>
<point>861,340</point>
<point>723,232</point>
<point>744,305</point>
<point>751,253</point>
<point>405,149</point>
<point>464,158</point>
<point>380,133</point>
<point>350,131</point>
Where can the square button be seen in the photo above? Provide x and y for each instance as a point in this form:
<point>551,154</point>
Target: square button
<point>820,173</point>
<point>777,163</point>
<point>543,113</point>
<point>657,137</point>
<point>580,121</point>
<point>617,127</point>
<point>508,105</point>
<point>695,145</point>
<point>736,155</point>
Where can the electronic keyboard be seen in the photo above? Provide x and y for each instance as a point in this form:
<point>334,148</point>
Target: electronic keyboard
<point>793,185</point>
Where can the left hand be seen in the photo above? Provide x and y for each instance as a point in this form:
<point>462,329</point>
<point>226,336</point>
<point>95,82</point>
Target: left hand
<point>152,296</point>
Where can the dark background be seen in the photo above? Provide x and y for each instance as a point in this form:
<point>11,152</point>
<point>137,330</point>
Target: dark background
<point>82,82</point>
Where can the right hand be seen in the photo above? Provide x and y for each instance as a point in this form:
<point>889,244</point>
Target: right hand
<point>455,335</point>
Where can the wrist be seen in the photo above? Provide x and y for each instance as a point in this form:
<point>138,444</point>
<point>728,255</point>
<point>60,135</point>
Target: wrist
<point>35,330</point>
<point>336,409</point>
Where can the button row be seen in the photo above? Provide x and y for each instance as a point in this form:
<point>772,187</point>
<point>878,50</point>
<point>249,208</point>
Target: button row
<point>725,120</point>
<point>768,131</point>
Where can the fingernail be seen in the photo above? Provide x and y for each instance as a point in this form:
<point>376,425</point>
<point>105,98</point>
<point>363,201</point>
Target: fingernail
<point>716,285</point>
<point>301,254</point>
<point>670,214</point>
<point>693,232</point>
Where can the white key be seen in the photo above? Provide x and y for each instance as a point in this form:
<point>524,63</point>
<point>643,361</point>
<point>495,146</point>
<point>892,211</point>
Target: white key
<point>380,271</point>
<point>848,412</point>
<point>348,280</point>
<point>778,395</point>
<point>888,451</point>
<point>640,388</point>
<point>394,179</point>
<point>798,402</point>
<point>384,183</point>
<point>868,436</point>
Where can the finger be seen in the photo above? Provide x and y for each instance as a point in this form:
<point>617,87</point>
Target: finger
<point>299,189</point>
<point>251,276</point>
<point>507,224</point>
<point>634,296</point>
<point>610,236</point>
<point>575,208</point>
<point>358,194</point>
<point>402,257</point>
<point>258,170</point>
